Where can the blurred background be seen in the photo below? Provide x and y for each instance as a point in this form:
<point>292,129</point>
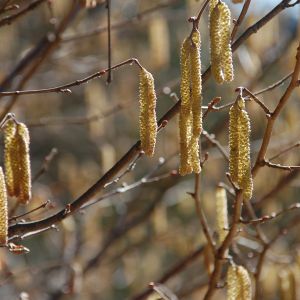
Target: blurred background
<point>146,223</point>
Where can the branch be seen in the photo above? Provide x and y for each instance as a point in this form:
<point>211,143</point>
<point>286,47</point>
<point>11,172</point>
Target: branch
<point>279,166</point>
<point>65,87</point>
<point>133,151</point>
<point>173,271</point>
<point>9,19</point>
<point>273,116</point>
<point>240,19</point>
<point>220,257</point>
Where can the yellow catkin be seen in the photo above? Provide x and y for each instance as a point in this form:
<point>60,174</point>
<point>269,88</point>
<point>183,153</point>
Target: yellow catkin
<point>245,283</point>
<point>233,284</point>
<point>239,144</point>
<point>190,119</point>
<point>238,283</point>
<point>222,214</point>
<point>196,98</point>
<point>221,53</point>
<point>148,124</point>
<point>22,141</point>
<point>226,53</point>
<point>287,283</point>
<point>10,158</point>
<point>215,44</point>
<point>185,116</point>
<point>3,211</point>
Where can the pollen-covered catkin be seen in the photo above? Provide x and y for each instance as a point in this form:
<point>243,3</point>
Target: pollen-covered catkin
<point>190,119</point>
<point>17,160</point>
<point>233,284</point>
<point>196,97</point>
<point>10,157</point>
<point>222,214</point>
<point>245,283</point>
<point>215,44</point>
<point>238,283</point>
<point>239,145</point>
<point>3,210</point>
<point>22,142</point>
<point>148,124</point>
<point>185,116</point>
<point>221,53</point>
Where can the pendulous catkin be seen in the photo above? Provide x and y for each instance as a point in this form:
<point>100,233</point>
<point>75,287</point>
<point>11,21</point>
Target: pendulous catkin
<point>238,283</point>
<point>239,145</point>
<point>222,214</point>
<point>190,118</point>
<point>148,124</point>
<point>17,161</point>
<point>220,49</point>
<point>3,211</point>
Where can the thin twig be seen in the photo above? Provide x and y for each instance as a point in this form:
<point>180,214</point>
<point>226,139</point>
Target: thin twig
<point>240,19</point>
<point>201,214</point>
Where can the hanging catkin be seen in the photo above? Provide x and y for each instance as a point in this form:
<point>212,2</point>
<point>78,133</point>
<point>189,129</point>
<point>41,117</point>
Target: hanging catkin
<point>222,214</point>
<point>17,161</point>
<point>239,144</point>
<point>148,124</point>
<point>10,158</point>
<point>185,117</point>
<point>190,119</point>
<point>220,52</point>
<point>238,283</point>
<point>3,211</point>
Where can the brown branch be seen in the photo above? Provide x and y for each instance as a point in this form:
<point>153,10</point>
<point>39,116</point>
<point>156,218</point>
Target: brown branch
<point>259,102</point>
<point>296,145</point>
<point>273,116</point>
<point>201,214</point>
<point>43,205</point>
<point>134,150</point>
<point>274,85</point>
<point>173,271</point>
<point>262,257</point>
<point>216,143</point>
<point>272,216</point>
<point>118,25</point>
<point>279,166</point>
<point>9,19</point>
<point>45,166</point>
<point>64,88</point>
<point>220,256</point>
<point>240,19</point>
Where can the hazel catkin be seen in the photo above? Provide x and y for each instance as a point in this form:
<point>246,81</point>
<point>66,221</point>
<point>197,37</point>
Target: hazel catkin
<point>221,214</point>
<point>185,116</point>
<point>3,211</point>
<point>17,161</point>
<point>238,283</point>
<point>148,124</point>
<point>10,158</point>
<point>239,145</point>
<point>190,118</point>
<point>220,52</point>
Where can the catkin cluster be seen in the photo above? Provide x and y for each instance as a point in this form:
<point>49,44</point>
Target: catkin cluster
<point>148,124</point>
<point>238,283</point>
<point>17,161</point>
<point>190,118</point>
<point>3,211</point>
<point>220,48</point>
<point>239,145</point>
<point>222,214</point>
